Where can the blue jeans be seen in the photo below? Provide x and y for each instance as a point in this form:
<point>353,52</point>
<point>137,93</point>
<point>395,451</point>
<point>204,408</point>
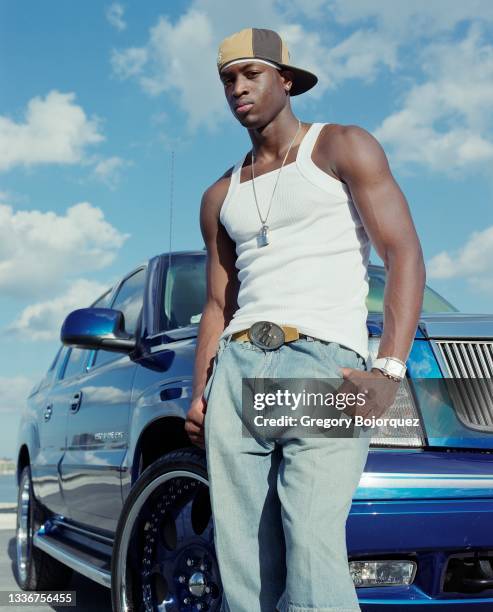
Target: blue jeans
<point>280,506</point>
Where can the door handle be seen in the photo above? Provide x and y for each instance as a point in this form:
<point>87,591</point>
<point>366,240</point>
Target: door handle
<point>48,411</point>
<point>76,401</point>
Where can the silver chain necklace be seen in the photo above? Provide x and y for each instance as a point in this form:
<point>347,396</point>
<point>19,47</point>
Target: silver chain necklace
<point>263,235</point>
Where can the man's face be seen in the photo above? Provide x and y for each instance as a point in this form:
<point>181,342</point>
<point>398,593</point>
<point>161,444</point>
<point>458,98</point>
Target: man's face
<point>255,92</point>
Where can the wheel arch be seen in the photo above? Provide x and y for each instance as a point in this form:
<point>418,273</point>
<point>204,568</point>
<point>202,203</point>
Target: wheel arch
<point>23,459</point>
<point>158,438</point>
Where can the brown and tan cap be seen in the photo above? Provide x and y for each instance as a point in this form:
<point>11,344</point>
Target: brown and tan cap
<point>266,45</point>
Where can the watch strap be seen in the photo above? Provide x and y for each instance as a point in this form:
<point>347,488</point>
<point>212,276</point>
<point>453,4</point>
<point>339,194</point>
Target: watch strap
<point>390,365</point>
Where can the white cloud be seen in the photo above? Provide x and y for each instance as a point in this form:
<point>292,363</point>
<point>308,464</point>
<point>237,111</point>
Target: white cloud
<point>483,284</point>
<point>13,393</point>
<point>410,19</point>
<point>40,251</point>
<point>313,9</point>
<point>109,170</point>
<point>43,320</point>
<point>55,130</point>
<point>159,118</point>
<point>114,15</point>
<point>472,261</point>
<point>361,55</point>
<point>446,122</point>
<point>129,62</point>
<point>168,64</point>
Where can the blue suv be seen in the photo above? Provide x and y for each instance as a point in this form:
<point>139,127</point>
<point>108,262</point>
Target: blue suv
<point>111,486</point>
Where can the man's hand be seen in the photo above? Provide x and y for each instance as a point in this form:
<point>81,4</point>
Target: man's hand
<point>194,422</point>
<point>379,390</point>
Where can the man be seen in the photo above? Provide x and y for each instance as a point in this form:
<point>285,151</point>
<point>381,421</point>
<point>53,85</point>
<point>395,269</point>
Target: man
<point>287,232</point>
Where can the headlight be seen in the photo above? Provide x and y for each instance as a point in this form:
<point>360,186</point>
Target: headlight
<point>404,407</point>
<point>382,573</point>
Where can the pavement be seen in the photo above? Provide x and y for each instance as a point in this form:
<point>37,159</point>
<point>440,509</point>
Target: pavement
<point>90,596</point>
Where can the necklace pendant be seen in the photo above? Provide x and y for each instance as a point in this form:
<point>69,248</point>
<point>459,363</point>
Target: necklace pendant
<point>263,236</point>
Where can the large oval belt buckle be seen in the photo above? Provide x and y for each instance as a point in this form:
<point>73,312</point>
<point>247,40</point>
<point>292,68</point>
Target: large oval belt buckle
<point>266,335</point>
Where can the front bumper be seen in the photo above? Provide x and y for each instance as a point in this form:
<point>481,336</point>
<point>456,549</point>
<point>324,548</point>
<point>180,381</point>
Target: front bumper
<point>428,531</point>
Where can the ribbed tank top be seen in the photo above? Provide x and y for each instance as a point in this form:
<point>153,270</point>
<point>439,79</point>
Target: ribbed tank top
<point>313,274</point>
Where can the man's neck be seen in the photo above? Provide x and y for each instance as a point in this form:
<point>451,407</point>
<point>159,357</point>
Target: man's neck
<point>272,141</point>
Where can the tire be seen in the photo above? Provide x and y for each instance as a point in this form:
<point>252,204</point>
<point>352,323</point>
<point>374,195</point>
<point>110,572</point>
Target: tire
<point>35,570</point>
<point>164,546</point>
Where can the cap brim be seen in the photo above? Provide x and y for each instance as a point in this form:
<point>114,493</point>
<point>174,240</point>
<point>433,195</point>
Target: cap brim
<point>303,80</point>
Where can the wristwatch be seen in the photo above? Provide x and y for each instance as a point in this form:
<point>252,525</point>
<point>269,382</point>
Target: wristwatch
<point>390,366</point>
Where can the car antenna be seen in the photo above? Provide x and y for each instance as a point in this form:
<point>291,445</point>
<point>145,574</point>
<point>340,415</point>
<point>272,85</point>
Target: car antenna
<point>171,195</point>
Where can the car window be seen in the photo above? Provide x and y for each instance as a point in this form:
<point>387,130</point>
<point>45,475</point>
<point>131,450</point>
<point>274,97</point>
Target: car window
<point>432,301</point>
<point>184,291</point>
<point>54,362</point>
<point>374,299</point>
<point>48,377</point>
<point>104,301</point>
<point>58,371</point>
<point>129,300</point>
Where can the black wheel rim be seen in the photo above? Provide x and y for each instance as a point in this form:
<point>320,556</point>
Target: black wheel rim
<point>173,549</point>
<point>23,531</point>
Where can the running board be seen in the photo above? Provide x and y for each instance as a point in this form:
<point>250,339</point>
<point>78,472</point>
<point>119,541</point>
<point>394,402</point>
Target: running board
<point>86,564</point>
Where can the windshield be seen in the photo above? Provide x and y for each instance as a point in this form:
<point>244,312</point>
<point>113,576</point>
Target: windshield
<point>432,301</point>
<point>185,293</point>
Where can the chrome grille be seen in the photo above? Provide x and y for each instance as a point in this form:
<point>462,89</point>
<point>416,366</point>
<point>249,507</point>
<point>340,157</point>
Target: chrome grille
<point>470,364</point>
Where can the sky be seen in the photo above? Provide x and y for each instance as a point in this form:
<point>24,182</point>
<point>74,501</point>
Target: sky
<point>96,98</point>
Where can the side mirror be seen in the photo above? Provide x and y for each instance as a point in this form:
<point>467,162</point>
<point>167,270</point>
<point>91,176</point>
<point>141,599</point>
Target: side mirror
<point>97,328</point>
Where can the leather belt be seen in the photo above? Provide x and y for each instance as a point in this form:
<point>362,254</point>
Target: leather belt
<point>268,335</point>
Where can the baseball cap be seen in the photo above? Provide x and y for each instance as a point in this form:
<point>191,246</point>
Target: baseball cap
<point>266,45</point>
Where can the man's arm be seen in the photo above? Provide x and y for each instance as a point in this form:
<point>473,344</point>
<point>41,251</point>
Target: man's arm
<point>361,163</point>
<point>221,300</point>
<point>222,283</point>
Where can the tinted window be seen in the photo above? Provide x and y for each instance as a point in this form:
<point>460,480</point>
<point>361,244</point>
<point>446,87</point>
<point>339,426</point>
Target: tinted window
<point>52,367</point>
<point>104,301</point>
<point>129,300</point>
<point>432,301</point>
<point>58,371</point>
<point>76,362</point>
<point>185,291</point>
<point>47,378</point>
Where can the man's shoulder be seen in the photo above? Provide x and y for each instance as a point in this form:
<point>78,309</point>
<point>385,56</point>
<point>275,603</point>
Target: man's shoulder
<point>219,187</point>
<point>346,143</point>
<point>341,133</point>
<point>214,196</point>
<point>350,150</point>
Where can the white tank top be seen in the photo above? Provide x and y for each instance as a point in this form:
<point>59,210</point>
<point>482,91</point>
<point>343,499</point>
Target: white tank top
<point>313,274</point>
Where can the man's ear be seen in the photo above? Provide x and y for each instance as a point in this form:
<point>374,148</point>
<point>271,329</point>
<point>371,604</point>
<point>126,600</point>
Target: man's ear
<point>287,80</point>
